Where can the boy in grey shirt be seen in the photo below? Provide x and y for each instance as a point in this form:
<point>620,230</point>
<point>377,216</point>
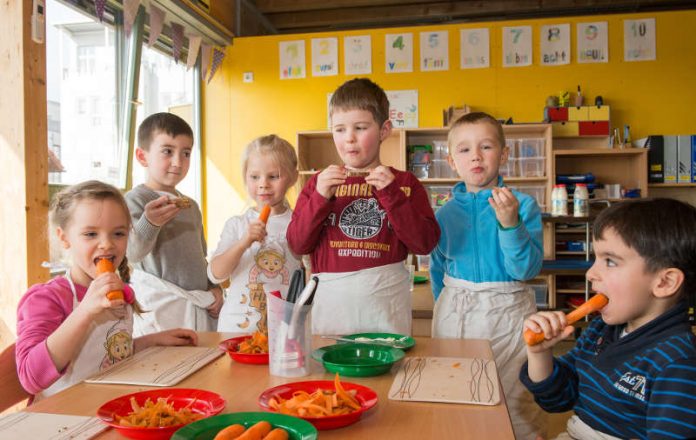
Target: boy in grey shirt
<point>167,245</point>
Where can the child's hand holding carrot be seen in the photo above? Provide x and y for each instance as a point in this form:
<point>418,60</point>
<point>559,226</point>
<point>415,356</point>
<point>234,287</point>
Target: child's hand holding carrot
<point>553,325</point>
<point>96,300</point>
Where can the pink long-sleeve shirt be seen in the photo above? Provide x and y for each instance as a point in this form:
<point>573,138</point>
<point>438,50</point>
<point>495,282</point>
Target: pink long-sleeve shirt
<point>40,312</point>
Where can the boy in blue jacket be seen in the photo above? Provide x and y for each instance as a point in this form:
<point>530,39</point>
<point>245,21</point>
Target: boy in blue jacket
<point>491,241</point>
<point>632,373</point>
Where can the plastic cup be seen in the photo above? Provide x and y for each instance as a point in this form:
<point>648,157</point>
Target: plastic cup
<point>289,338</point>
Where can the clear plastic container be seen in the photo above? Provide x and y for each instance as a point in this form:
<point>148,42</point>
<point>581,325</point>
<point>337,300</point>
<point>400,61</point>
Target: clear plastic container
<point>537,192</point>
<point>532,166</point>
<point>423,262</point>
<point>439,168</point>
<point>509,168</point>
<point>421,171</point>
<point>440,150</point>
<point>511,144</point>
<point>439,195</point>
<point>532,147</point>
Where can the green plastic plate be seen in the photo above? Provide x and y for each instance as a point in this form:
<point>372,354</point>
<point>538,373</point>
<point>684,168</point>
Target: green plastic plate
<point>402,342</point>
<point>207,429</point>
<point>420,279</point>
<point>357,360</point>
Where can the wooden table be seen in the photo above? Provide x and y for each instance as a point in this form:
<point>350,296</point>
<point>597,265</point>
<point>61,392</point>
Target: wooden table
<point>241,384</point>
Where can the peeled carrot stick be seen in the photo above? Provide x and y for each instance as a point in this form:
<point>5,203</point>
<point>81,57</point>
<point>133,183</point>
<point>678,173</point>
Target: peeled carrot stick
<point>256,432</point>
<point>230,433</point>
<point>265,213</point>
<point>592,305</point>
<point>103,266</point>
<point>277,434</point>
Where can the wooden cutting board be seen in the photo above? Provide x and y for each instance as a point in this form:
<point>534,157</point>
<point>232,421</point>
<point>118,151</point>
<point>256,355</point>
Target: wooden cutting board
<point>449,380</point>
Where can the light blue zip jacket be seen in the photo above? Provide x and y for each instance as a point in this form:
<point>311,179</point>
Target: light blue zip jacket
<point>474,247</point>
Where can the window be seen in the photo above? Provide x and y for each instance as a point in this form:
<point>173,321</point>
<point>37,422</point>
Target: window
<point>81,91</point>
<point>166,86</point>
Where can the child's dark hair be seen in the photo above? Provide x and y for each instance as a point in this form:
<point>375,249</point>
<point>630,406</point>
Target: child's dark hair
<point>477,118</point>
<point>361,94</point>
<point>63,205</point>
<point>660,230</point>
<point>163,122</point>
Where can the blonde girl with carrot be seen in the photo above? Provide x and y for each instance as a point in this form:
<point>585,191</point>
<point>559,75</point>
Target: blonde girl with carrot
<point>253,252</point>
<point>63,326</point>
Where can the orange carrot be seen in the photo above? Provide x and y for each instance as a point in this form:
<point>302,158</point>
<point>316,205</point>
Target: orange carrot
<point>592,305</point>
<point>105,265</point>
<point>277,434</point>
<point>265,213</point>
<point>256,432</point>
<point>231,432</point>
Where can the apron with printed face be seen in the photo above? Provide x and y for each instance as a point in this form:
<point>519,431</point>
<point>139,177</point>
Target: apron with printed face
<point>494,311</point>
<point>108,341</point>
<point>377,299</point>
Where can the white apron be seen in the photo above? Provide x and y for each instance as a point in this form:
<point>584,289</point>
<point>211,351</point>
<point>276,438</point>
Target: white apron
<point>108,341</point>
<point>494,311</point>
<point>579,430</point>
<point>377,299</point>
<point>167,306</point>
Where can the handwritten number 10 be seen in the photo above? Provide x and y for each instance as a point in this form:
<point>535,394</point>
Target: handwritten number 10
<point>639,30</point>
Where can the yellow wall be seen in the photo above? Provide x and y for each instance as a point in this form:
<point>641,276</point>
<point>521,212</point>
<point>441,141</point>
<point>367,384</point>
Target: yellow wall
<point>652,97</point>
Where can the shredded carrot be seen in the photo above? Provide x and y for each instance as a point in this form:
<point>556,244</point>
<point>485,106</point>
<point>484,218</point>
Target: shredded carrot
<point>320,403</point>
<point>159,414</point>
<point>257,344</point>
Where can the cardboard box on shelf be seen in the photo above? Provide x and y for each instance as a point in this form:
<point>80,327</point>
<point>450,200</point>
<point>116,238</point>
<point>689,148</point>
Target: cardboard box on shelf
<point>451,114</point>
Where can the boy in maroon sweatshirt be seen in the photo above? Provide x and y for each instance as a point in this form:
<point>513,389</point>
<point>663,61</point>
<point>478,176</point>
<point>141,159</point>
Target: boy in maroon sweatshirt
<point>359,220</point>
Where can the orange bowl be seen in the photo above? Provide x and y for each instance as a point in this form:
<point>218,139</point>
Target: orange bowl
<point>202,402</point>
<point>231,346</point>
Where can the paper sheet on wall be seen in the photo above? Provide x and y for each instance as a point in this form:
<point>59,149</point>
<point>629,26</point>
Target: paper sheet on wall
<point>593,42</point>
<point>158,366</point>
<point>324,56</point>
<point>403,108</point>
<point>434,51</point>
<point>555,44</point>
<point>357,51</point>
<point>639,40</point>
<point>30,425</point>
<point>398,53</point>
<point>517,46</point>
<point>475,48</point>
<point>448,380</point>
<point>292,59</point>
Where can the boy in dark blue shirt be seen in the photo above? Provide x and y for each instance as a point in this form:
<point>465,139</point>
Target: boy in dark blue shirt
<point>632,373</point>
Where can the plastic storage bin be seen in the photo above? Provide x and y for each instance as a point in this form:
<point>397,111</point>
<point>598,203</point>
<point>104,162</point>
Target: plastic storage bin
<point>511,144</point>
<point>538,192</point>
<point>439,195</point>
<point>533,147</point>
<point>541,294</point>
<point>440,168</point>
<point>509,168</point>
<point>440,150</point>
<point>532,166</point>
<point>421,171</point>
<point>423,262</point>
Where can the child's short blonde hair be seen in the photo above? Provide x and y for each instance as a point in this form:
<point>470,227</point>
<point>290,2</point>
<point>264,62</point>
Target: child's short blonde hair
<point>477,118</point>
<point>361,94</point>
<point>275,146</point>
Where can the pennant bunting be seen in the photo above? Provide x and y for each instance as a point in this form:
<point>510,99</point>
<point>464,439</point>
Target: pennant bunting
<point>156,24</point>
<point>177,40</point>
<point>205,60</point>
<point>218,56</point>
<point>130,11</point>
<point>99,6</point>
<point>193,47</point>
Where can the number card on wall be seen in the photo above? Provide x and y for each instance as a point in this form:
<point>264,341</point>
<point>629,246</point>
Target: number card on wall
<point>639,40</point>
<point>398,53</point>
<point>475,48</point>
<point>517,46</point>
<point>434,51</point>
<point>403,108</point>
<point>593,42</point>
<point>555,44</point>
<point>292,59</point>
<point>357,52</point>
<point>324,56</point>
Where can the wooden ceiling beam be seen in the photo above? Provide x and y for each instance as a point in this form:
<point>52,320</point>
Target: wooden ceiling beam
<point>444,12</point>
<point>278,6</point>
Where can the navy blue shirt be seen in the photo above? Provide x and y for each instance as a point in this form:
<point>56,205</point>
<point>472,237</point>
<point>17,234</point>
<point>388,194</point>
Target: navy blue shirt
<point>642,385</point>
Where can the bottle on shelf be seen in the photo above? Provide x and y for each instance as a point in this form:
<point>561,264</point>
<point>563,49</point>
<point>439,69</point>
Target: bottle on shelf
<point>559,200</point>
<point>581,201</point>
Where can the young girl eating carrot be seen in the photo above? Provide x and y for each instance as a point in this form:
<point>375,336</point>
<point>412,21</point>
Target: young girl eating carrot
<point>64,326</point>
<point>253,251</point>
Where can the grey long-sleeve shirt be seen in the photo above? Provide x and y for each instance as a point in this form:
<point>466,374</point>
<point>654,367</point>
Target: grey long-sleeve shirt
<point>176,251</point>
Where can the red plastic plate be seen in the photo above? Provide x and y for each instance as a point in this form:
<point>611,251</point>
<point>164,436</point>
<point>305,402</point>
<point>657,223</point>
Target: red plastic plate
<point>231,346</point>
<point>200,401</point>
<point>366,396</point>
